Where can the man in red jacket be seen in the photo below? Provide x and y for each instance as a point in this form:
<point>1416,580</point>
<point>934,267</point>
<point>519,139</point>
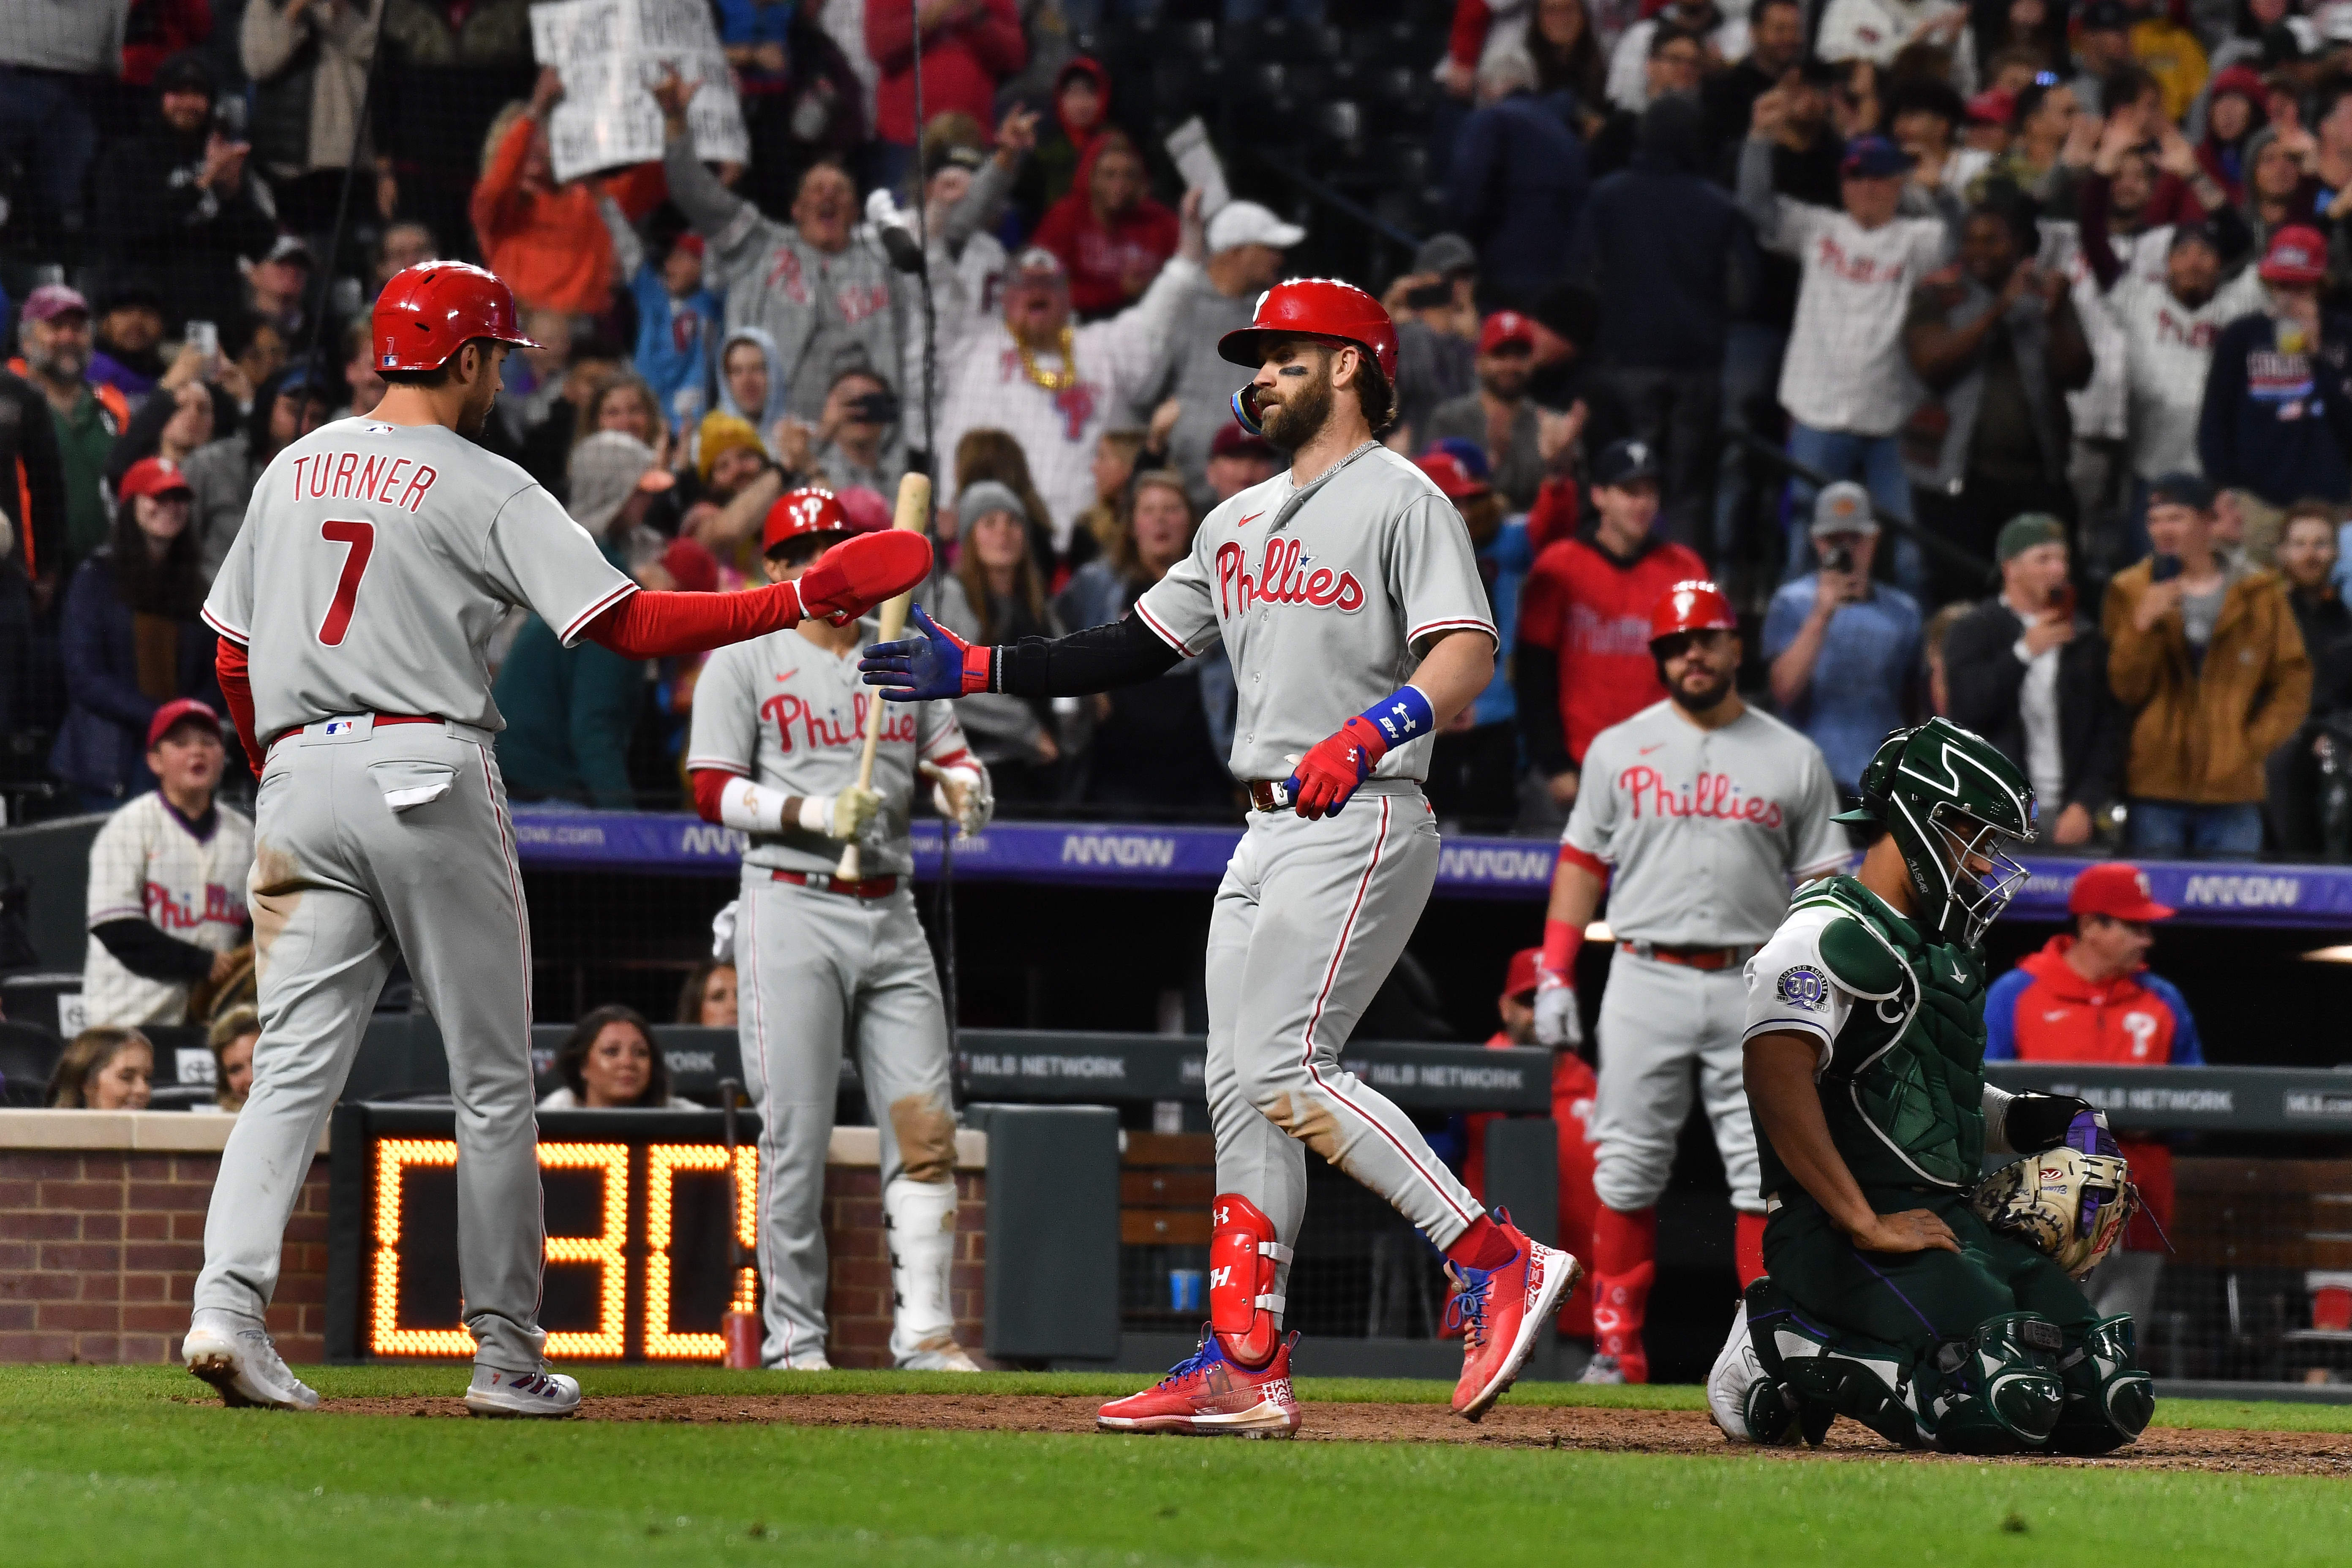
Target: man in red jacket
<point>969,46</point>
<point>1572,1090</point>
<point>2090,997</point>
<point>1582,661</point>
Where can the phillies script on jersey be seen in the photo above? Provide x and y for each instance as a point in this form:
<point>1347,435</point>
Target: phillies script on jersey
<point>1278,581</point>
<point>373,477</point>
<point>1718,795</point>
<point>821,728</point>
<point>221,906</point>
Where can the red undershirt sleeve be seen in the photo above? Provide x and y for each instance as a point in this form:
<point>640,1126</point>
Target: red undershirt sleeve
<point>648,625</point>
<point>709,783</point>
<point>236,691</point>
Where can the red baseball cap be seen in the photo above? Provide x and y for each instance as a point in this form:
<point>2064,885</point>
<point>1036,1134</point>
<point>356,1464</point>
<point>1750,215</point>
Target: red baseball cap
<point>691,566</point>
<point>867,510</point>
<point>1452,478</point>
<point>152,476</point>
<point>51,301</point>
<point>2297,255</point>
<point>1993,106</point>
<point>179,710</point>
<point>2118,890</point>
<point>1505,328</point>
<point>1520,977</point>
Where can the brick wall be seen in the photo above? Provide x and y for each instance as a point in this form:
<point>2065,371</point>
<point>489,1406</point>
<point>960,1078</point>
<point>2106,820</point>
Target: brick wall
<point>99,1250</point>
<point>858,1295</point>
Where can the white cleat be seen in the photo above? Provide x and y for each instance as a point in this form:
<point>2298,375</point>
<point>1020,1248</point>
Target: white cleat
<point>1736,1373</point>
<point>940,1355</point>
<point>802,1363</point>
<point>246,1367</point>
<point>539,1393</point>
<point>1601,1369</point>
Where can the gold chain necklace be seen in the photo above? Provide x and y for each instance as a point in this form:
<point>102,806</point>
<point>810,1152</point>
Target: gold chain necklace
<point>1060,379</point>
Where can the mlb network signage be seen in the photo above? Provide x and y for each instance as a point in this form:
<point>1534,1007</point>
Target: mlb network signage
<point>1138,855</point>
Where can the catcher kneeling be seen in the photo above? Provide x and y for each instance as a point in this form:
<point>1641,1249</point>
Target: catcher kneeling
<point>1903,1292</point>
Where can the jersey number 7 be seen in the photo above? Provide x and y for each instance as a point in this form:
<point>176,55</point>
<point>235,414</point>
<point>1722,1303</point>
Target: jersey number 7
<point>361,538</point>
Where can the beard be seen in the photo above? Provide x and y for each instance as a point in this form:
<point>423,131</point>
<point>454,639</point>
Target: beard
<point>1692,697</point>
<point>63,363</point>
<point>1301,416</point>
<point>475,414</point>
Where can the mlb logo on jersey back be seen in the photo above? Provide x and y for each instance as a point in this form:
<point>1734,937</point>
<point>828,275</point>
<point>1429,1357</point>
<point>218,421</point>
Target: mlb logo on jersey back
<point>1803,986</point>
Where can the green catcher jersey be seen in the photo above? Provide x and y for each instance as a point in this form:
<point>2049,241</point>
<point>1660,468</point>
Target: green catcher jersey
<point>1900,1024</point>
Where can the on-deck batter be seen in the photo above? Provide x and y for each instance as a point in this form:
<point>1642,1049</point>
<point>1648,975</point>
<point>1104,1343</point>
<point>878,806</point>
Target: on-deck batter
<point>1695,816</point>
<point>825,964</point>
<point>355,612</point>
<point>1325,584</point>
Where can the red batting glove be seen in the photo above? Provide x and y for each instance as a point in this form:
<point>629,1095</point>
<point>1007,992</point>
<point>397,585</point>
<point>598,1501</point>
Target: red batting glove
<point>861,572</point>
<point>1326,775</point>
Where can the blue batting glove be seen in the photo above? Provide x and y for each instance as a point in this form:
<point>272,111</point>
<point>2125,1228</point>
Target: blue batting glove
<point>928,666</point>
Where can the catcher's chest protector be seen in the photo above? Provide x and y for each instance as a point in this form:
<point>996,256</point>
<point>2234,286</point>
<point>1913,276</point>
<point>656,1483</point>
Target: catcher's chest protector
<point>1904,1094</point>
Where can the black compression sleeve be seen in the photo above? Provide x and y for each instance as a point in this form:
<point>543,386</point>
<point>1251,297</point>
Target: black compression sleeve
<point>1536,685</point>
<point>151,956</point>
<point>1117,653</point>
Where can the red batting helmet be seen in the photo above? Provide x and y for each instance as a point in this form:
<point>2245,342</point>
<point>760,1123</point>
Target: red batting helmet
<point>1693,605</point>
<point>803,511</point>
<point>430,312</point>
<point>1314,307</point>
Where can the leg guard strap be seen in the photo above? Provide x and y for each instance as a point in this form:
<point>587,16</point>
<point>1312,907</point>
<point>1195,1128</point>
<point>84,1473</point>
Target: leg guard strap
<point>1998,1392</point>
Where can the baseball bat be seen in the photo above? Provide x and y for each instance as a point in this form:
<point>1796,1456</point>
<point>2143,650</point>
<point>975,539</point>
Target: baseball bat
<point>914,513</point>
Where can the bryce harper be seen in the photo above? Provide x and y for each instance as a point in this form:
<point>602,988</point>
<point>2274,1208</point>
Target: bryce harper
<point>1347,593</point>
<point>827,964</point>
<point>355,612</point>
<point>1696,815</point>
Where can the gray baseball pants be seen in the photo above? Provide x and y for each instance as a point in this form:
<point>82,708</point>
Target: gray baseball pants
<point>371,845</point>
<point>1310,918</point>
<point>1657,1021</point>
<point>821,973</point>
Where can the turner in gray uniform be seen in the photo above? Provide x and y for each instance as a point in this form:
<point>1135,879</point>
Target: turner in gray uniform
<point>826,964</point>
<point>354,611</point>
<point>1347,593</point>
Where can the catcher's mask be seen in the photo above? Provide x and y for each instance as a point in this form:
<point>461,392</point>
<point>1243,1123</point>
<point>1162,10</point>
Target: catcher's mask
<point>1956,809</point>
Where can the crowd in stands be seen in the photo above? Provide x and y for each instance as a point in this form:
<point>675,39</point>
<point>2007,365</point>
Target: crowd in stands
<point>1992,355</point>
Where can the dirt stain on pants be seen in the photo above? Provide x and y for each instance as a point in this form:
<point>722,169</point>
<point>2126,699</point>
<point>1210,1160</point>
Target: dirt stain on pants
<point>925,1135</point>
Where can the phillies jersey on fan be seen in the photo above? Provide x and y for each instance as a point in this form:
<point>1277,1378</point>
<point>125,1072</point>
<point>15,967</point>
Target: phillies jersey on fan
<point>1705,830</point>
<point>386,555</point>
<point>1325,598</point>
<point>149,863</point>
<point>787,714</point>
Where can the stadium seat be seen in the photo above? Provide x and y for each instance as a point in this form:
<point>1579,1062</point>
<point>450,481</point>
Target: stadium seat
<point>27,1056</point>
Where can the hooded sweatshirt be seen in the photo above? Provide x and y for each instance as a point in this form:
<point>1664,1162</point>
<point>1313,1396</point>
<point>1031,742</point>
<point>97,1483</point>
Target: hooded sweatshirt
<point>962,62</point>
<point>779,390</point>
<point>1101,253</point>
<point>1656,241</point>
<point>1047,176</point>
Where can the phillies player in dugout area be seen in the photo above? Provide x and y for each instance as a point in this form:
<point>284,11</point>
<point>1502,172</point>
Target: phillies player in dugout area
<point>1574,1088</point>
<point>823,962</point>
<point>354,611</point>
<point>1347,593</point>
<point>1697,816</point>
<point>1583,660</point>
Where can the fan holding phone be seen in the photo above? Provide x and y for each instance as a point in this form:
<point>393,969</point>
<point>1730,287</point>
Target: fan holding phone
<point>2208,657</point>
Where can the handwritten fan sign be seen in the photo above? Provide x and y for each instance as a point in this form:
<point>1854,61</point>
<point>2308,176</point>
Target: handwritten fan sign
<point>609,53</point>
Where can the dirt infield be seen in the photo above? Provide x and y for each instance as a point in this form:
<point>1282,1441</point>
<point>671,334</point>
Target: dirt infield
<point>1508,1426</point>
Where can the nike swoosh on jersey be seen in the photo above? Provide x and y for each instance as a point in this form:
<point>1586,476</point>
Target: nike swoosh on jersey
<point>1246,521</point>
<point>1647,750</point>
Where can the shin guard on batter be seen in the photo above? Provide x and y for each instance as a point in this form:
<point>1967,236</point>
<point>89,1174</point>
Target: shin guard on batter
<point>1244,1269</point>
<point>1624,1262</point>
<point>920,1217</point>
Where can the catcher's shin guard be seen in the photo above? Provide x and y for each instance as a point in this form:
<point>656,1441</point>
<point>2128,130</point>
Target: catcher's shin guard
<point>2108,1398</point>
<point>1244,1269</point>
<point>1817,1375</point>
<point>1999,1391</point>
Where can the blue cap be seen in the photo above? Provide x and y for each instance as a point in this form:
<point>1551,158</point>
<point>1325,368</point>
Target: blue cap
<point>1620,463</point>
<point>1470,455</point>
<point>1874,158</point>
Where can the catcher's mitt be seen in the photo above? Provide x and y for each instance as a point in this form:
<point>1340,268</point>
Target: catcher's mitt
<point>2068,1203</point>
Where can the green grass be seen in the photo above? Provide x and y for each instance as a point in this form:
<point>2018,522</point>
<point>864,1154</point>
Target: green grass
<point>116,1465</point>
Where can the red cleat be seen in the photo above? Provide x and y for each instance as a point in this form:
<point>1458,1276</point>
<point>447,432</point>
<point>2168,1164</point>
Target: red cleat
<point>1501,1311</point>
<point>1207,1395</point>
